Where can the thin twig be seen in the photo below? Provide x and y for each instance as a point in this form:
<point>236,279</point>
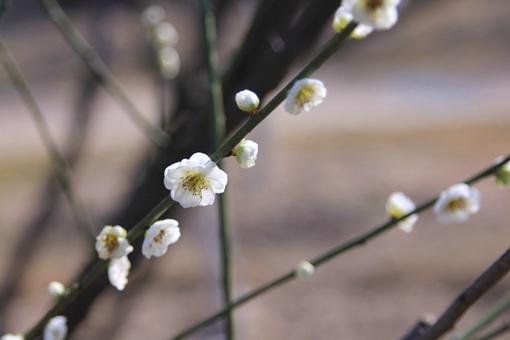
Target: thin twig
<point>101,72</point>
<point>330,254</point>
<point>59,163</point>
<point>218,117</point>
<point>501,307</point>
<point>492,275</point>
<point>497,332</point>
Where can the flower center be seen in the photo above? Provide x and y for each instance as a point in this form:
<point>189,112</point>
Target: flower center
<point>373,5</point>
<point>111,242</point>
<point>305,94</point>
<point>159,237</point>
<point>455,204</point>
<point>195,182</point>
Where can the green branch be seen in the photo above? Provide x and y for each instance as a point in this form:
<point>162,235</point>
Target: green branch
<point>328,255</point>
<point>218,118</point>
<point>101,72</point>
<point>59,163</point>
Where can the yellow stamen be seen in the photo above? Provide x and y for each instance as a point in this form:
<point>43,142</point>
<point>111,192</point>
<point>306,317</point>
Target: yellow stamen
<point>373,5</point>
<point>111,242</point>
<point>305,95</point>
<point>455,204</point>
<point>195,182</point>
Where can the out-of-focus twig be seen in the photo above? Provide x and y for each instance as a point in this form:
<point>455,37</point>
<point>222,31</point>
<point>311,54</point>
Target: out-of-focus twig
<point>504,328</point>
<point>101,72</point>
<point>492,275</point>
<point>59,163</point>
<point>501,307</point>
<point>218,119</point>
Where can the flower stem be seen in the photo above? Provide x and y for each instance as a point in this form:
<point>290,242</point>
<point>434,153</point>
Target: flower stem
<point>101,72</point>
<point>218,117</point>
<point>501,307</point>
<point>59,163</point>
<point>330,254</point>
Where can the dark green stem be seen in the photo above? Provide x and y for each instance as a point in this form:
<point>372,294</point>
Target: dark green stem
<point>218,117</point>
<point>328,255</point>
<point>59,163</point>
<point>501,307</point>
<point>496,333</point>
<point>101,72</point>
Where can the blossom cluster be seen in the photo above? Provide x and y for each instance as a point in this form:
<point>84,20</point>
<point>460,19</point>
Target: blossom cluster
<point>164,37</point>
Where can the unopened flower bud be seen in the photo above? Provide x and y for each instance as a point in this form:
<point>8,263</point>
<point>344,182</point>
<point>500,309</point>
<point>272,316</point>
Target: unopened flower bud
<point>247,101</point>
<point>56,289</point>
<point>304,269</point>
<point>246,153</point>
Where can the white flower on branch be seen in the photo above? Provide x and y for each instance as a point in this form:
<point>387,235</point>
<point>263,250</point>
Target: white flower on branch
<point>247,101</point>
<point>118,271</point>
<point>153,15</point>
<point>165,35</point>
<point>398,205</point>
<point>112,243</point>
<point>246,153</point>
<point>304,269</point>
<point>12,337</point>
<point>56,289</point>
<point>457,203</point>
<point>305,94</point>
<point>194,182</point>
<point>343,17</point>
<point>159,236</point>
<point>169,62</point>
<point>502,175</point>
<point>56,328</point>
<point>378,14</point>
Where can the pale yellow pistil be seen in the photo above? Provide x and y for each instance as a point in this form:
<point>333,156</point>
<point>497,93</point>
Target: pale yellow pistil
<point>455,204</point>
<point>195,182</point>
<point>305,94</point>
<point>111,242</point>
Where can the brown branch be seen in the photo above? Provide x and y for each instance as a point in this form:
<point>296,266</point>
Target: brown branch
<point>492,275</point>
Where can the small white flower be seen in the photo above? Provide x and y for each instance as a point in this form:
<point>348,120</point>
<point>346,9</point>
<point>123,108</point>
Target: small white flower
<point>169,62</point>
<point>112,243</point>
<point>118,271</point>
<point>159,236</point>
<point>165,35</point>
<point>399,205</point>
<point>56,289</point>
<point>246,153</point>
<point>457,203</point>
<point>343,17</point>
<point>305,94</point>
<point>153,15</point>
<point>304,269</point>
<point>247,101</point>
<point>12,337</point>
<point>378,14</point>
<point>194,182</point>
<point>502,175</point>
<point>56,328</point>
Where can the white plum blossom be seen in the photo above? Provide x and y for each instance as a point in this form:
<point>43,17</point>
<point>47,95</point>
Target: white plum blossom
<point>165,34</point>
<point>159,236</point>
<point>194,182</point>
<point>246,153</point>
<point>457,203</point>
<point>169,62</point>
<point>12,337</point>
<point>153,15</point>
<point>112,243</point>
<point>56,328</point>
<point>343,17</point>
<point>502,175</point>
<point>56,289</point>
<point>247,101</point>
<point>378,14</point>
<point>398,205</point>
<point>304,269</point>
<point>118,271</point>
<point>304,94</point>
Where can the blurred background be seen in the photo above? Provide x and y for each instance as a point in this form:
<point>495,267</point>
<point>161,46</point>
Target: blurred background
<point>414,109</point>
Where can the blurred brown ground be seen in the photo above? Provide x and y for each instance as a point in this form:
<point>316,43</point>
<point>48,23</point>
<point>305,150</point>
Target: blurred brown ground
<point>415,110</point>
